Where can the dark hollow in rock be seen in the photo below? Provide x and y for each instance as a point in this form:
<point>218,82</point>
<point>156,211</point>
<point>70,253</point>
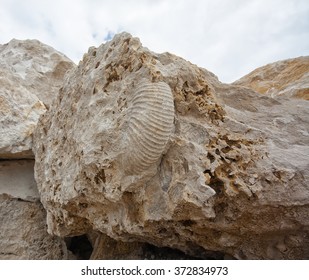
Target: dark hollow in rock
<point>80,246</point>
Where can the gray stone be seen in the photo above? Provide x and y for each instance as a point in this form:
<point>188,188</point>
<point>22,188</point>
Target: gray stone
<point>17,179</point>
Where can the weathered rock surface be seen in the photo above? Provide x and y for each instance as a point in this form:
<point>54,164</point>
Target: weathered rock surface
<point>232,173</point>
<point>31,74</point>
<point>23,233</point>
<point>288,78</point>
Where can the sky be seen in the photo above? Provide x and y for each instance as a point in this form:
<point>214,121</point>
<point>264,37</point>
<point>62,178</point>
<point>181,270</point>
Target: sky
<point>227,37</point>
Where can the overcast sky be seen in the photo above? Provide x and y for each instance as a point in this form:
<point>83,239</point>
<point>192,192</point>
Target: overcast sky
<point>227,37</point>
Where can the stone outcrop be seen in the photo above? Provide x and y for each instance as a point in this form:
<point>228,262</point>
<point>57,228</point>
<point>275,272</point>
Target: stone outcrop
<point>288,78</point>
<point>23,233</point>
<point>228,175</point>
<point>31,74</point>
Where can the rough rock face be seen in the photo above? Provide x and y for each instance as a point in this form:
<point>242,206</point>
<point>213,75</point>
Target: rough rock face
<point>287,77</point>
<point>31,74</point>
<point>229,173</point>
<point>23,232</point>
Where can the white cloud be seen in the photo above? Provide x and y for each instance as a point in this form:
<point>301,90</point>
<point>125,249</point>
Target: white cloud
<point>229,38</point>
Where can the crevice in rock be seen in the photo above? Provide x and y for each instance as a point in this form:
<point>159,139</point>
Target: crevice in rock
<point>80,246</point>
<point>217,184</point>
<point>15,159</point>
<point>151,252</point>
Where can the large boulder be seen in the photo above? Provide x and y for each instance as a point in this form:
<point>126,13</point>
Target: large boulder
<point>147,147</point>
<point>31,74</point>
<point>288,77</point>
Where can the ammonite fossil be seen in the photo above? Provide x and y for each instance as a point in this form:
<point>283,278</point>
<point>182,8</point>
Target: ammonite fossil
<point>151,121</point>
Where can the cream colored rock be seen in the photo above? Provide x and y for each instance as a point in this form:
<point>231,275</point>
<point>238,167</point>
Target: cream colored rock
<point>287,77</point>
<point>23,234</point>
<point>19,114</point>
<point>36,66</point>
<point>31,74</point>
<point>232,177</point>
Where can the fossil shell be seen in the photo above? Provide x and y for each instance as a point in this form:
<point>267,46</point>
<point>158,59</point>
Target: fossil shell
<point>151,121</point>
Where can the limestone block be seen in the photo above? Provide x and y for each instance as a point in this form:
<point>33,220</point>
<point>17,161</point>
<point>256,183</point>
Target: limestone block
<point>35,66</point>
<point>23,234</point>
<point>31,74</point>
<point>221,168</point>
<point>288,77</point>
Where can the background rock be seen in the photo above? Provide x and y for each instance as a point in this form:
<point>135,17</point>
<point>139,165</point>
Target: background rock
<point>31,74</point>
<point>289,78</point>
<point>23,232</point>
<point>232,178</point>
<point>17,179</point>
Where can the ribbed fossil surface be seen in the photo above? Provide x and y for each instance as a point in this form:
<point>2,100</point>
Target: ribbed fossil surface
<point>151,120</point>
